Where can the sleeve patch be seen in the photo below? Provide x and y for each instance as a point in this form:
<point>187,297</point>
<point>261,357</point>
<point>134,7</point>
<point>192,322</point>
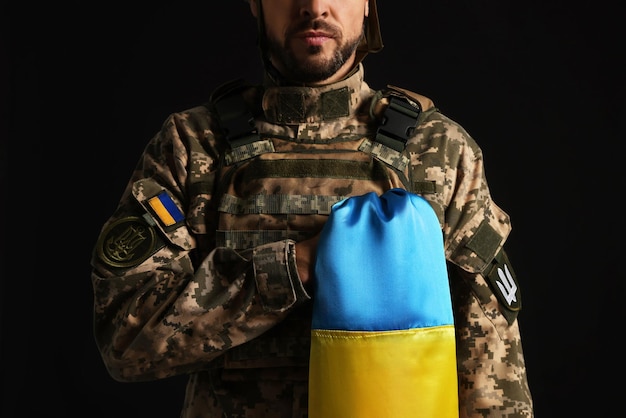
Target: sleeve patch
<point>126,242</point>
<point>505,286</point>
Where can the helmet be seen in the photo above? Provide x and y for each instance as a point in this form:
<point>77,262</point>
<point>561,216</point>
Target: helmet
<point>372,42</point>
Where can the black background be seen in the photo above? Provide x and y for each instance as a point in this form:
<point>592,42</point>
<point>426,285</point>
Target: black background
<point>540,86</point>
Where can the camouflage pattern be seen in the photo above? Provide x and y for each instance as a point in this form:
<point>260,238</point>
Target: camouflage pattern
<point>217,296</point>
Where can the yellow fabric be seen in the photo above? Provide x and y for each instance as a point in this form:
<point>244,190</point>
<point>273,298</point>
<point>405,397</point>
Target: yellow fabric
<point>161,211</point>
<point>384,374</point>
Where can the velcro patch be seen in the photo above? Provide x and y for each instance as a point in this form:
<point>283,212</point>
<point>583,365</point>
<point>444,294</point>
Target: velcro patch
<point>504,284</point>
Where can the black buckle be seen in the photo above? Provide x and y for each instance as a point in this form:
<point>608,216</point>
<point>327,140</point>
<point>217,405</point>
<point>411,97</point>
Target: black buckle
<point>398,123</point>
<point>236,121</point>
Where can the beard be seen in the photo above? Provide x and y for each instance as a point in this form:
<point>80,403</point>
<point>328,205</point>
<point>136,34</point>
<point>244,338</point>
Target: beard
<point>313,68</point>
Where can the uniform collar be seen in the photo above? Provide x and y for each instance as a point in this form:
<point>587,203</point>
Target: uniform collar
<point>304,104</point>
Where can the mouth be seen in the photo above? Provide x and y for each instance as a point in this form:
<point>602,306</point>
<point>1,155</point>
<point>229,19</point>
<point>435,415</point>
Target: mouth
<point>314,37</point>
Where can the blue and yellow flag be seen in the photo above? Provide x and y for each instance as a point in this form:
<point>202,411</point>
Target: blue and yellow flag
<point>383,332</point>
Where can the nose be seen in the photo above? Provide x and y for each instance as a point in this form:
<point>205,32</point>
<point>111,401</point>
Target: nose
<point>314,8</point>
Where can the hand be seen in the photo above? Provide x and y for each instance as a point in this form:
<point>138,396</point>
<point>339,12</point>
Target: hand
<point>305,259</point>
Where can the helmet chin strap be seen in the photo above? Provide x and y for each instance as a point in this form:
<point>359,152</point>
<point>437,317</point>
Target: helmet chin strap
<point>371,42</point>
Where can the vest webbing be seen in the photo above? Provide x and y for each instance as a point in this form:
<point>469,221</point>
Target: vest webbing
<point>397,124</point>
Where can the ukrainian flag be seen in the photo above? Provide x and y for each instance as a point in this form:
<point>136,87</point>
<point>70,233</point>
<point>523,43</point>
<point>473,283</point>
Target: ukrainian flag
<point>383,332</point>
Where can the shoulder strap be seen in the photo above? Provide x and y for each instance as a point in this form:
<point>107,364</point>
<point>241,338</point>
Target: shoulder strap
<point>234,116</point>
<point>398,123</point>
<point>424,102</point>
<point>402,109</point>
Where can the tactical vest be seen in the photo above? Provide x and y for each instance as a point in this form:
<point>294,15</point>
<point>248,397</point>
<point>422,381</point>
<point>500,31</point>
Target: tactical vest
<point>272,187</point>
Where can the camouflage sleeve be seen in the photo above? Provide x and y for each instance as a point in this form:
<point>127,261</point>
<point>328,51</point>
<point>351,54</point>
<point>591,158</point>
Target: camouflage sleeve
<point>166,301</point>
<point>490,359</point>
<point>485,291</point>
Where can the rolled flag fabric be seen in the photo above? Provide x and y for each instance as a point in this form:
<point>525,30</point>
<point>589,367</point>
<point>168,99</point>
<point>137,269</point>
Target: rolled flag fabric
<point>383,331</point>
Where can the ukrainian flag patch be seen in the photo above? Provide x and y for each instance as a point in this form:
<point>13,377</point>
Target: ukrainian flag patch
<point>165,209</point>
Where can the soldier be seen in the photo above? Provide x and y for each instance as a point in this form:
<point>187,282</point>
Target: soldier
<point>207,266</point>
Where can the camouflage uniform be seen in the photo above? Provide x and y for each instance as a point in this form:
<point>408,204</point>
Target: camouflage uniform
<point>209,286</point>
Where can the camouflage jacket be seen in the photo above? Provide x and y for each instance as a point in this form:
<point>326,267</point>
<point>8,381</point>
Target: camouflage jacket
<point>195,272</point>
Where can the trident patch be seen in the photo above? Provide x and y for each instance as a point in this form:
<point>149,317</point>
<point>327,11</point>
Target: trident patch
<point>504,285</point>
<point>126,242</point>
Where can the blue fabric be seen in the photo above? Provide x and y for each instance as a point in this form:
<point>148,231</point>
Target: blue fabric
<point>380,265</point>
